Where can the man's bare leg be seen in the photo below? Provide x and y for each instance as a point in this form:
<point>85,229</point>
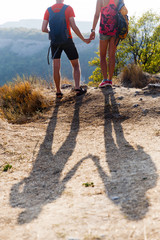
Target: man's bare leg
<point>76,72</point>
<point>56,74</point>
<point>77,77</point>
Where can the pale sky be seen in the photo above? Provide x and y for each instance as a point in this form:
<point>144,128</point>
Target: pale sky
<point>15,10</point>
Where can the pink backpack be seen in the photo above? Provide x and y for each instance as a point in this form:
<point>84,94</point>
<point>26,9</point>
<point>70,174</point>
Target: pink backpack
<point>108,20</point>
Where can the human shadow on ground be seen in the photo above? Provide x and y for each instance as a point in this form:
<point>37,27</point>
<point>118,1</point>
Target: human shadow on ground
<point>132,171</point>
<point>44,184</point>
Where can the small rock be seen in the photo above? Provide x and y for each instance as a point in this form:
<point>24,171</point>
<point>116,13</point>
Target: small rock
<point>144,178</point>
<point>73,239</point>
<point>118,104</point>
<point>102,237</point>
<point>136,105</point>
<point>115,198</point>
<point>136,93</point>
<point>120,98</point>
<point>155,85</point>
<point>64,86</point>
<point>140,99</point>
<point>145,111</point>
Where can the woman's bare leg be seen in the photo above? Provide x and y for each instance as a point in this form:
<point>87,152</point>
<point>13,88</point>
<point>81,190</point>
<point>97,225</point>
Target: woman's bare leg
<point>103,45</point>
<point>112,60</point>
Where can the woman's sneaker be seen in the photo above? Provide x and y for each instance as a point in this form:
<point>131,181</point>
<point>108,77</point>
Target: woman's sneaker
<point>105,83</point>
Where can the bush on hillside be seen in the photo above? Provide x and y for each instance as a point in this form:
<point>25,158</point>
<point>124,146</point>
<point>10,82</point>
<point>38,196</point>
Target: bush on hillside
<point>133,76</point>
<point>20,101</point>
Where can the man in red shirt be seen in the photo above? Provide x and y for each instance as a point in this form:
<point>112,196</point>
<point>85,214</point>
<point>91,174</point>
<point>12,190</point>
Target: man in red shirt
<point>68,47</point>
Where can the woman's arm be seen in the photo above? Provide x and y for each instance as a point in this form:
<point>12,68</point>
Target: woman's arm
<point>96,17</point>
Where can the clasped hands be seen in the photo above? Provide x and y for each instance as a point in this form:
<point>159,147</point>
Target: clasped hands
<point>92,37</point>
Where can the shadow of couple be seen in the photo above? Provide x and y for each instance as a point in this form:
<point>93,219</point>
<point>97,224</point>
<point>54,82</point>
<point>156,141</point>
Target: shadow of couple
<point>132,171</point>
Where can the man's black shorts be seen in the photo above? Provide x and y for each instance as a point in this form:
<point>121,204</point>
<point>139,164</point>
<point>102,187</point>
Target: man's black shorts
<point>69,48</point>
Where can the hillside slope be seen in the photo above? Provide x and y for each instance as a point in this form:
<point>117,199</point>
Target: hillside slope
<point>107,139</point>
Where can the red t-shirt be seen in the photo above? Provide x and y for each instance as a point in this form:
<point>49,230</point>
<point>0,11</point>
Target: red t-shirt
<point>68,13</point>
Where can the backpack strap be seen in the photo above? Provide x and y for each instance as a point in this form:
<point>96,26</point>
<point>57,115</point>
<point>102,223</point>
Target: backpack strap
<point>48,54</point>
<point>49,49</point>
<point>63,9</point>
<point>50,10</point>
<point>120,5</point>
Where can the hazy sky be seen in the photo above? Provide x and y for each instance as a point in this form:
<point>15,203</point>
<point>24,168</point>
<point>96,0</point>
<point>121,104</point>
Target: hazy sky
<point>14,10</point>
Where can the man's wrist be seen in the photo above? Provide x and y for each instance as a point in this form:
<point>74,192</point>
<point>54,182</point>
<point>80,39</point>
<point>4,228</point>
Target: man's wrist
<point>93,30</point>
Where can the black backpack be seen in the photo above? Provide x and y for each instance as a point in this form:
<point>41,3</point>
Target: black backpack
<point>58,28</point>
<point>122,23</point>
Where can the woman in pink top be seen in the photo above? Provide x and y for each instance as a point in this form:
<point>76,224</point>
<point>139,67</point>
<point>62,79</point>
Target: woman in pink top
<point>107,11</point>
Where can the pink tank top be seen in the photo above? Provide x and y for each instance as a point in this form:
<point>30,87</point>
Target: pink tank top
<point>108,19</point>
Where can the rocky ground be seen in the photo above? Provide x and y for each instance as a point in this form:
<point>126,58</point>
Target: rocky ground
<point>87,169</point>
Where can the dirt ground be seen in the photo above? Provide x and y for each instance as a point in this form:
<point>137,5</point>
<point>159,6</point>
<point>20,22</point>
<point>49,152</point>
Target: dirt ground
<point>87,170</point>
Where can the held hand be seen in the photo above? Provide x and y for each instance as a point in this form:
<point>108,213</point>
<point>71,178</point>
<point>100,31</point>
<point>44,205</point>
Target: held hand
<point>92,36</point>
<point>87,40</point>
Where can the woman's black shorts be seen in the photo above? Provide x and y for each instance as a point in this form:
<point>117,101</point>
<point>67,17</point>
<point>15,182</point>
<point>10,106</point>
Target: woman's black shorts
<point>68,47</point>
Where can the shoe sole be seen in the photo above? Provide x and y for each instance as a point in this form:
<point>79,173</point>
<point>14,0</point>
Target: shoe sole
<point>105,85</point>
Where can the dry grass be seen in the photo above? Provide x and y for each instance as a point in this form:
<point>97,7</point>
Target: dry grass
<point>34,80</point>
<point>66,81</point>
<point>20,101</point>
<point>133,76</point>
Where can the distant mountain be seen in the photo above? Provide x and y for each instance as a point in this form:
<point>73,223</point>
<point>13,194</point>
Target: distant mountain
<point>84,27</point>
<point>24,23</point>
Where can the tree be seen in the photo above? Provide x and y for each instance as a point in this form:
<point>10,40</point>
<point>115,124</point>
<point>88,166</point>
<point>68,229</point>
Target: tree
<point>143,41</point>
<point>151,60</point>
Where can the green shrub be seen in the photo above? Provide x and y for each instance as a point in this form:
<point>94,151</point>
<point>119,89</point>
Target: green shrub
<point>7,167</point>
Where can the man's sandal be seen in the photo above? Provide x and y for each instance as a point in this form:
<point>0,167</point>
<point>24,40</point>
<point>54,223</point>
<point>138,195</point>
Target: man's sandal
<point>59,95</point>
<point>80,91</point>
